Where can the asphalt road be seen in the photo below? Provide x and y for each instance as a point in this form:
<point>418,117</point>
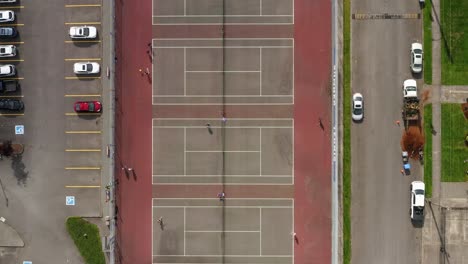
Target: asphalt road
<point>33,192</point>
<point>381,228</point>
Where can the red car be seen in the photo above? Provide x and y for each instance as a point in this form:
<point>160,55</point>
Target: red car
<point>89,107</point>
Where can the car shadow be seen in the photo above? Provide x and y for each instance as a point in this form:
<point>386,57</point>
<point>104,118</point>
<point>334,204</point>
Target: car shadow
<point>417,224</point>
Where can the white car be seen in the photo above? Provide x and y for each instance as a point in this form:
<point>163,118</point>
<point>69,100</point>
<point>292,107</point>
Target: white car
<point>358,107</point>
<point>86,68</point>
<point>417,200</point>
<point>7,1</point>
<point>7,16</point>
<point>83,32</point>
<point>410,89</point>
<point>416,57</point>
<point>7,70</point>
<point>7,50</point>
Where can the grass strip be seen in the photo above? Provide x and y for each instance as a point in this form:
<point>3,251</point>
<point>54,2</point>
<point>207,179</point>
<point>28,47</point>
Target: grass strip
<point>428,149</point>
<point>454,152</point>
<point>87,239</point>
<point>346,131</point>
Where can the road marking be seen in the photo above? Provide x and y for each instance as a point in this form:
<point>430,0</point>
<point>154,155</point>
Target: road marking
<point>83,23</point>
<point>386,16</point>
<point>82,95</point>
<point>82,41</point>
<point>82,168</point>
<point>82,150</point>
<point>84,59</point>
<point>86,5</point>
<point>10,60</point>
<point>83,78</point>
<point>11,114</point>
<point>82,186</point>
<point>13,42</point>
<point>13,25</point>
<point>12,78</point>
<point>11,7</point>
<point>11,96</point>
<point>75,114</point>
<point>83,132</point>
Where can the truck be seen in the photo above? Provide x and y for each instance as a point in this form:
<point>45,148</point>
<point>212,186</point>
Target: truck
<point>410,111</point>
<point>8,86</point>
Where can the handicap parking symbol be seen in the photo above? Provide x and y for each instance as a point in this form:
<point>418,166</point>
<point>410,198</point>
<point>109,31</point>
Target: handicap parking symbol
<point>70,200</point>
<point>19,130</point>
<point>27,262</point>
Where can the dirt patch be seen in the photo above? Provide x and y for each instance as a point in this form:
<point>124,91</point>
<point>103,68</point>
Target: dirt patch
<point>464,107</point>
<point>425,95</point>
<point>412,140</point>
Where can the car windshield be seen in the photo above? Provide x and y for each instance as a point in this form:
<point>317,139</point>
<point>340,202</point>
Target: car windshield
<point>89,67</point>
<point>2,50</point>
<point>91,106</point>
<point>418,51</point>
<point>411,88</point>
<point>77,107</point>
<point>85,32</point>
<point>357,111</point>
<point>419,191</point>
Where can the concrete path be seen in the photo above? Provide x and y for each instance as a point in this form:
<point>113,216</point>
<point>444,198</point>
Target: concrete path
<point>9,237</point>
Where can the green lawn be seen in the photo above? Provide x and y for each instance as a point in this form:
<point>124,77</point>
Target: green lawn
<point>346,133</point>
<point>454,151</point>
<point>454,42</point>
<point>427,43</point>
<point>87,240</point>
<point>428,149</point>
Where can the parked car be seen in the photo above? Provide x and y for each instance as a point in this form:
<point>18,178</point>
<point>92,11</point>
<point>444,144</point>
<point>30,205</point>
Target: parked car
<point>86,68</point>
<point>8,86</point>
<point>7,1</point>
<point>7,50</point>
<point>416,57</point>
<point>11,104</point>
<point>358,107</point>
<point>88,107</point>
<point>7,70</point>
<point>410,89</point>
<point>417,200</point>
<point>83,32</point>
<point>8,32</point>
<point>7,16</point>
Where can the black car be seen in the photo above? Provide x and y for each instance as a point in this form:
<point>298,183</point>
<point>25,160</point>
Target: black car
<point>8,32</point>
<point>11,104</point>
<point>8,86</point>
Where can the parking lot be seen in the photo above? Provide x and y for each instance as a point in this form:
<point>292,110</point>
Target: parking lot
<point>63,150</point>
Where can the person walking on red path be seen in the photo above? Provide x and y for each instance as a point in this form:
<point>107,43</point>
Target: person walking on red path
<point>221,196</point>
<point>321,124</point>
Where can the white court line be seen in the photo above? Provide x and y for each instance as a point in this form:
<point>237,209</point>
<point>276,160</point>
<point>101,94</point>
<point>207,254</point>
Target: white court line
<point>224,71</point>
<point>184,228</point>
<point>213,176</point>
<point>185,71</point>
<point>217,184</point>
<point>217,199</point>
<point>261,8</point>
<point>222,47</point>
<point>292,136</point>
<point>185,151</point>
<point>185,12</point>
<point>261,91</point>
<point>221,231</point>
<point>207,24</point>
<point>219,127</point>
<point>203,16</point>
<point>261,231</point>
<point>261,151</point>
<point>231,256</point>
<point>218,96</point>
<point>220,151</point>
<point>221,206</point>
<point>224,104</point>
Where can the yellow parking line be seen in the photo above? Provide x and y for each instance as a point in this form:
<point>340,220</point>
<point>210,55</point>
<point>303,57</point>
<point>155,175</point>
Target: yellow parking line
<point>82,186</point>
<point>11,114</point>
<point>83,78</point>
<point>87,5</point>
<point>10,60</point>
<point>75,114</point>
<point>83,132</point>
<point>13,42</point>
<point>83,23</point>
<point>82,150</point>
<point>84,59</point>
<point>13,25</point>
<point>12,78</point>
<point>11,7</point>
<point>82,168</point>
<point>82,41</point>
<point>11,96</point>
<point>82,95</point>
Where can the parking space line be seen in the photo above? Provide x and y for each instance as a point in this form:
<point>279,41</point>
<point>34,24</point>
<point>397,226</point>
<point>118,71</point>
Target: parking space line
<point>83,23</point>
<point>11,7</point>
<point>82,95</point>
<point>83,132</point>
<point>82,168</point>
<point>82,186</point>
<point>11,78</point>
<point>11,114</point>
<point>82,150</point>
<point>13,25</point>
<point>82,78</point>
<point>85,5</point>
<point>75,114</point>
<point>11,60</point>
<point>11,96</point>
<point>82,41</point>
<point>13,42</point>
<point>83,59</point>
